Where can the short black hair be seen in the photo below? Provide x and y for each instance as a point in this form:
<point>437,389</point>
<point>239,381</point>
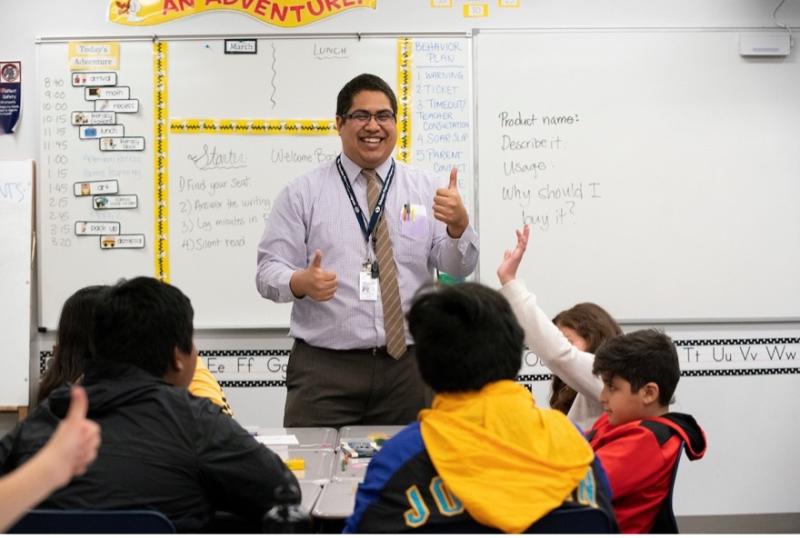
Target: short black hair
<point>363,82</point>
<point>466,336</point>
<point>639,358</point>
<point>140,322</point>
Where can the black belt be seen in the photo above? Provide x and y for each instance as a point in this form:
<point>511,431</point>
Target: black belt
<point>365,350</point>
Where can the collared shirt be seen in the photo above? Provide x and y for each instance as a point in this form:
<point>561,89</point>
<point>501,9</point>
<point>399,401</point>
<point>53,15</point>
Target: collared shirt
<point>314,212</point>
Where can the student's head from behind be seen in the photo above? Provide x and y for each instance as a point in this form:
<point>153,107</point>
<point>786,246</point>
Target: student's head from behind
<point>466,337</point>
<point>148,324</point>
<point>366,110</point>
<point>640,372</point>
<point>586,326</point>
<point>73,340</point>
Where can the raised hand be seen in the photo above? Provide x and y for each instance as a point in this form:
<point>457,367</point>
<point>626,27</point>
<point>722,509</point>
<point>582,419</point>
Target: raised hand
<point>507,271</point>
<point>448,207</point>
<point>314,281</point>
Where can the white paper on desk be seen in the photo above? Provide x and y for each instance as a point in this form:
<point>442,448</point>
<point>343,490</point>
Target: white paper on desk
<point>275,440</point>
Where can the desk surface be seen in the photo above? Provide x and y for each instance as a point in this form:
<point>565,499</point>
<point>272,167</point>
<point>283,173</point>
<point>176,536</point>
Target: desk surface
<point>337,500</point>
<point>350,432</point>
<point>306,437</point>
<point>318,464</point>
<point>310,492</point>
<point>350,468</point>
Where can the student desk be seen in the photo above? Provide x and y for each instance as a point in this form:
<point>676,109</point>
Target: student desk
<point>338,496</point>
<point>337,500</point>
<point>306,437</point>
<point>349,432</point>
<point>310,493</point>
<point>318,464</point>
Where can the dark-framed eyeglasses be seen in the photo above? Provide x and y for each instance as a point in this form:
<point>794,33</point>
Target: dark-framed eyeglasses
<point>364,117</point>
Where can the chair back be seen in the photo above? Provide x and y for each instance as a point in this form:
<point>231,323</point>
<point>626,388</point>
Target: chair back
<point>665,519</point>
<point>93,522</point>
<point>573,519</point>
<point>566,519</point>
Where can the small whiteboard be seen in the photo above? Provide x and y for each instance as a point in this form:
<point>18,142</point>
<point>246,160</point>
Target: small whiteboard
<point>16,219</point>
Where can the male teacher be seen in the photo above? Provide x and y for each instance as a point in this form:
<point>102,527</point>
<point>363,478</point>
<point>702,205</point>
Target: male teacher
<point>350,243</point>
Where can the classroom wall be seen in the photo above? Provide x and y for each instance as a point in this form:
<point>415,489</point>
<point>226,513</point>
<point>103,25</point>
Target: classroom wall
<point>256,402</point>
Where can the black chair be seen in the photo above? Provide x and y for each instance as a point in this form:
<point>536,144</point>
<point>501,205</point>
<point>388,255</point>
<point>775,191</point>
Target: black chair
<point>574,520</point>
<point>665,520</point>
<point>93,522</point>
<point>567,519</point>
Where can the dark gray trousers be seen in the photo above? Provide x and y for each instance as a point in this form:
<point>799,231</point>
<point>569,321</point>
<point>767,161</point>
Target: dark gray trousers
<point>333,388</point>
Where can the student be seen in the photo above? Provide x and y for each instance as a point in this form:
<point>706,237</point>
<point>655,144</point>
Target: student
<point>586,326</point>
<point>72,347</point>
<point>484,457</point>
<point>638,374</point>
<point>557,353</point>
<point>72,340</point>
<point>163,449</point>
<point>69,452</point>
<point>637,439</point>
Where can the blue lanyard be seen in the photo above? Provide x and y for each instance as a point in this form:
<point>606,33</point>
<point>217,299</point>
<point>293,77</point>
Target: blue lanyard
<point>366,229</point>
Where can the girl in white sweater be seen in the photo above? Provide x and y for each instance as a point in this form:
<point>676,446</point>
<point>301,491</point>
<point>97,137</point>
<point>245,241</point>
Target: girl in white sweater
<point>545,339</point>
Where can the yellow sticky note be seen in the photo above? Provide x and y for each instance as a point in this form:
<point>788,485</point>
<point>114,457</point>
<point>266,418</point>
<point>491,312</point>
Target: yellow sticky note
<point>476,10</point>
<point>296,464</point>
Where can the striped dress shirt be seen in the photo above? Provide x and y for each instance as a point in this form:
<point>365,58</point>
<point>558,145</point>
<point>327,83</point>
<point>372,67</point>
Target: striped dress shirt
<point>314,212</point>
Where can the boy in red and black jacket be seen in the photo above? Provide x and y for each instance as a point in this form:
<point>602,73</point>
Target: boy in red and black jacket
<point>637,439</point>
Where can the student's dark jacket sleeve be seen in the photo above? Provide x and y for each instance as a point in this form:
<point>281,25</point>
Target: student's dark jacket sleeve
<point>6,447</point>
<point>241,474</point>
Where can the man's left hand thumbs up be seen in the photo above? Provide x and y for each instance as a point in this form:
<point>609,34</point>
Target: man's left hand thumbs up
<point>448,207</point>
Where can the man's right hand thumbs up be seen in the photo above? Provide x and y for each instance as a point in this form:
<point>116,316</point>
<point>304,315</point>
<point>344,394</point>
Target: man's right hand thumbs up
<point>314,281</point>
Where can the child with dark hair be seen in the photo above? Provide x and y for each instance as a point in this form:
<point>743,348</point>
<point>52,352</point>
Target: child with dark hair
<point>586,326</point>
<point>73,347</point>
<point>163,449</point>
<point>72,340</point>
<point>484,457</point>
<point>633,377</point>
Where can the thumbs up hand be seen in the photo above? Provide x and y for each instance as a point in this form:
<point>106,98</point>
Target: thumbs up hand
<point>313,281</point>
<point>74,444</point>
<point>448,207</point>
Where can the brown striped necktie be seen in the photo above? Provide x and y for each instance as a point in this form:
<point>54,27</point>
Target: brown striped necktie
<point>393,323</point>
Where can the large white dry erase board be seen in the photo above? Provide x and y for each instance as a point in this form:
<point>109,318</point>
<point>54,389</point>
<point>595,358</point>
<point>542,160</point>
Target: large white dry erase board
<point>222,182</point>
<point>16,221</point>
<point>658,171</point>
<point>224,134</point>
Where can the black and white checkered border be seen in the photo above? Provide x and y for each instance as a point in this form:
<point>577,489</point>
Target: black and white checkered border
<point>245,352</point>
<point>43,358</point>
<point>739,371</point>
<point>695,373</point>
<point>252,384</point>
<point>737,342</point>
<point>45,355</point>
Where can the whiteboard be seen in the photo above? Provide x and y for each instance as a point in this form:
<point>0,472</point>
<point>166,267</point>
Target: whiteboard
<point>67,261</point>
<point>205,195</point>
<point>221,186</point>
<point>658,171</point>
<point>16,221</point>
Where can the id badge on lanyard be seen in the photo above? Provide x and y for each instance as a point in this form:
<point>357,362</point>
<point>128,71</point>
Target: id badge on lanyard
<point>368,282</point>
<point>368,277</point>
